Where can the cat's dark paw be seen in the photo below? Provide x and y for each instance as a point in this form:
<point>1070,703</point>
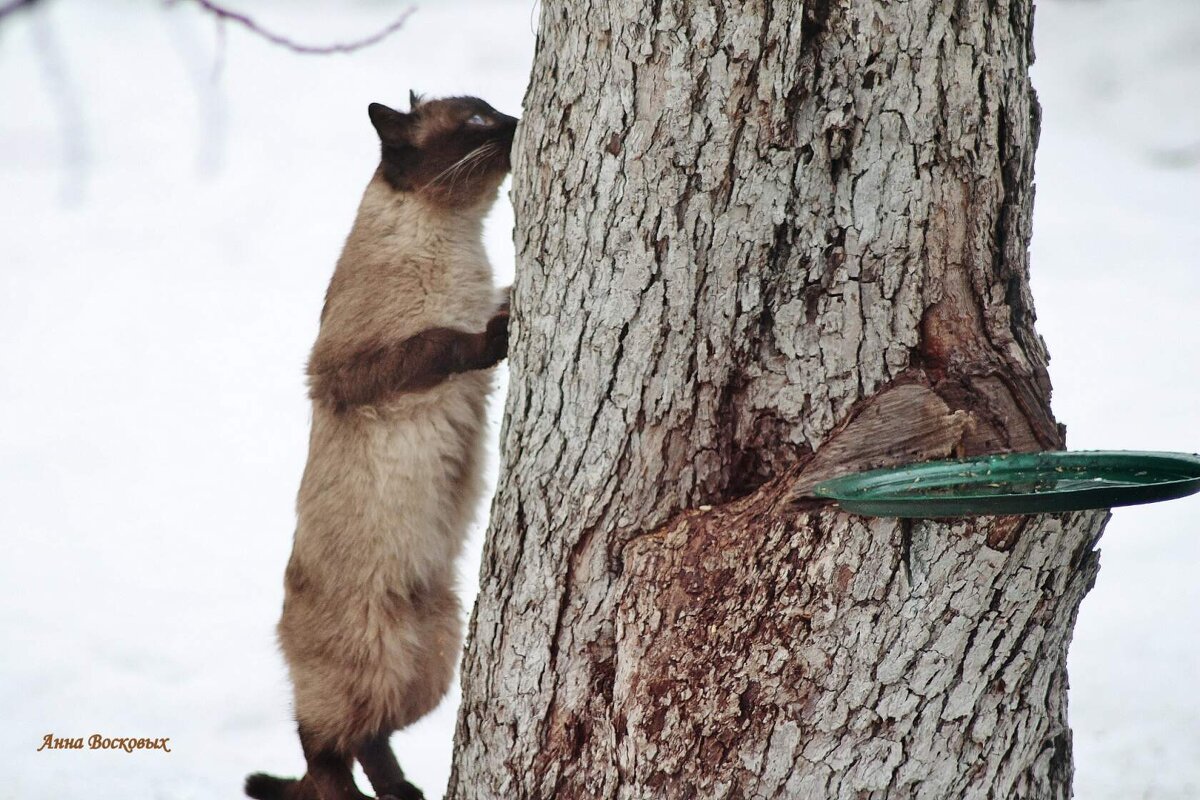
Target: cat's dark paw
<point>405,791</point>
<point>495,347</point>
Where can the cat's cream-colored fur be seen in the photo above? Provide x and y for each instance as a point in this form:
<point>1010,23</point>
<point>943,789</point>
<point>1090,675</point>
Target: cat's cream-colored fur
<point>371,626</point>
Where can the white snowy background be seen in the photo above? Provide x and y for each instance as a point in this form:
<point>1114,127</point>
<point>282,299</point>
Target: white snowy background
<point>169,217</point>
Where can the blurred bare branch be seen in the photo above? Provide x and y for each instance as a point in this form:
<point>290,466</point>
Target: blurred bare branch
<point>61,88</point>
<point>68,100</point>
<point>15,5</point>
<point>204,76</point>
<point>224,14</point>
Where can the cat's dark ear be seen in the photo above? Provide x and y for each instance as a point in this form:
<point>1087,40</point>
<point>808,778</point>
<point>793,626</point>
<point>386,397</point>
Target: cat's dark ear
<point>414,100</point>
<point>392,126</point>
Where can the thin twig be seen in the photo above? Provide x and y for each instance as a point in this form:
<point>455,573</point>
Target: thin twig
<point>223,14</point>
<point>222,49</point>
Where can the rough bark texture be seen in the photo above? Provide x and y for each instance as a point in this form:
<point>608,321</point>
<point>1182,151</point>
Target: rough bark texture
<point>761,243</point>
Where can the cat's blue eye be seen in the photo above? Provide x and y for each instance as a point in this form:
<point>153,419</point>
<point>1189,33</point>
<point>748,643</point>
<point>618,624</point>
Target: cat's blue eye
<point>478,119</point>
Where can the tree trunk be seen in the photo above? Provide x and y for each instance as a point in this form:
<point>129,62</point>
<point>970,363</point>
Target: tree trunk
<point>759,244</point>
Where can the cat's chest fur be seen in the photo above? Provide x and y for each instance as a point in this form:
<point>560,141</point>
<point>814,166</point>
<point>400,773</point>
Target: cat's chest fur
<point>390,486</point>
<point>404,270</point>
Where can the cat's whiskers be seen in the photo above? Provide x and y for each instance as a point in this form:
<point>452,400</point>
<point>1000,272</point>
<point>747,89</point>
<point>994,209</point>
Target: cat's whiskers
<point>468,162</point>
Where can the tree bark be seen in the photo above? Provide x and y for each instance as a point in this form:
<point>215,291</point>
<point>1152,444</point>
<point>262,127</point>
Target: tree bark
<point>759,244</point>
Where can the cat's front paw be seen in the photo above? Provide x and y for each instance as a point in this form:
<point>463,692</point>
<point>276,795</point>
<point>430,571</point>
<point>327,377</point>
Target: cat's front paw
<point>495,344</point>
<point>405,791</point>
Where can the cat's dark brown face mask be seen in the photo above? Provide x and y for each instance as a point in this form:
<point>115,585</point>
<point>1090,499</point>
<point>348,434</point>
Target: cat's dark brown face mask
<point>453,151</point>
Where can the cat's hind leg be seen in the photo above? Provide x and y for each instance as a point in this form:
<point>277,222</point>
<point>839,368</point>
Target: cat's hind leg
<point>383,771</point>
<point>262,786</point>
<point>328,769</point>
<point>328,776</point>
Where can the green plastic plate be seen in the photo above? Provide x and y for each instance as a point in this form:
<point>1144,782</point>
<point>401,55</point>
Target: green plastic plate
<point>1016,483</point>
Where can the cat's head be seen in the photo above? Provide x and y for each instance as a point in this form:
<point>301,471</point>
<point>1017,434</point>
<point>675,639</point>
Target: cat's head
<point>454,151</point>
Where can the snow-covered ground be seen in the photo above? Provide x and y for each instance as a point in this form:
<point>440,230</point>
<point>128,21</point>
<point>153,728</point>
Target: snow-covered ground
<point>168,222</point>
<point>1116,277</point>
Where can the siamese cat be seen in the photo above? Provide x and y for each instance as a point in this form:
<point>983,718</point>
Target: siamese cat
<point>399,377</point>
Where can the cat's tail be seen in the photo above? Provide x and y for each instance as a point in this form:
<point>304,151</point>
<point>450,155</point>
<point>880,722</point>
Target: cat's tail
<point>262,786</point>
